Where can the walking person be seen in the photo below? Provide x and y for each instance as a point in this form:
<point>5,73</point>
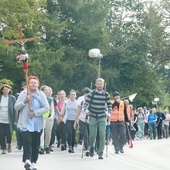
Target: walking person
<point>81,120</point>
<point>32,104</point>
<point>140,123</point>
<point>152,118</point>
<point>18,131</point>
<point>134,123</point>
<point>8,117</point>
<point>61,121</point>
<point>160,118</point>
<point>118,120</point>
<point>96,104</point>
<point>69,110</point>
<point>55,125</point>
<point>129,114</point>
<point>146,127</point>
<point>166,124</point>
<point>48,122</point>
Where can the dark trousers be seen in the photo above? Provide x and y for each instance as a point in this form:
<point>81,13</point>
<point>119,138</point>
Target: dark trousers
<point>19,137</point>
<point>127,134</point>
<point>5,135</point>
<point>159,131</point>
<point>146,128</point>
<point>152,127</point>
<point>118,134</point>
<point>53,132</point>
<point>70,132</point>
<point>31,144</point>
<point>61,132</point>
<point>84,129</point>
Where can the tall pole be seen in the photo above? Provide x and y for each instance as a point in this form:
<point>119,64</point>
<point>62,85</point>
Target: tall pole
<point>99,68</point>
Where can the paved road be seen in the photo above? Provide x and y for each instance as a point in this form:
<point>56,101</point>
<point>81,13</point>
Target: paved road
<point>146,155</point>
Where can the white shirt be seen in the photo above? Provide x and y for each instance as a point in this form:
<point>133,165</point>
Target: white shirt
<point>4,110</point>
<point>80,99</point>
<point>167,119</point>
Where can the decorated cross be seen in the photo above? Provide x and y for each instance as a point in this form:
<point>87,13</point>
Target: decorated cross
<point>23,57</point>
<point>20,40</point>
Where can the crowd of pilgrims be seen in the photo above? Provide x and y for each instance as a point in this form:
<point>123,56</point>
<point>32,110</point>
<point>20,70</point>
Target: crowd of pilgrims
<point>64,124</point>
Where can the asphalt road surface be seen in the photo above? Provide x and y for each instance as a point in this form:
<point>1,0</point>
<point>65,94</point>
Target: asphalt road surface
<point>145,155</point>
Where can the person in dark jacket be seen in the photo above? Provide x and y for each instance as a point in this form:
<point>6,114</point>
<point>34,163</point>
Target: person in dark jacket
<point>160,116</point>
<point>8,117</point>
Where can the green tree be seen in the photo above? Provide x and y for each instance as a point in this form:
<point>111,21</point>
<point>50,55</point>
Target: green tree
<point>85,29</point>
<point>130,45</point>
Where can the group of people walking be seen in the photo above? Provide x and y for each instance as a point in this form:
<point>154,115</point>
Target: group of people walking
<point>151,123</point>
<point>41,118</point>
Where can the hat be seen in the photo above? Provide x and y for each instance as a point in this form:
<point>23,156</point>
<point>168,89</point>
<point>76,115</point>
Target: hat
<point>116,93</point>
<point>86,90</point>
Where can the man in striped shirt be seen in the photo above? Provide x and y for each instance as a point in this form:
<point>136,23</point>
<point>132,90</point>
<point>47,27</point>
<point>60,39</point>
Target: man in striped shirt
<point>96,105</point>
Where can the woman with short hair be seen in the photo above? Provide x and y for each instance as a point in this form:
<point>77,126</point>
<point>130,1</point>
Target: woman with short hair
<point>32,105</point>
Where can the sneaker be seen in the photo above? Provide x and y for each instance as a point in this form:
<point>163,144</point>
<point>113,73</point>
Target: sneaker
<point>87,153</point>
<point>91,152</point>
<point>47,149</point>
<point>100,157</point>
<point>58,144</point>
<point>121,150</point>
<point>116,152</point>
<point>51,150</point>
<point>3,151</point>
<point>80,142</point>
<point>41,151</point>
<point>33,166</point>
<point>70,149</point>
<point>62,147</point>
<point>9,148</point>
<point>19,147</point>
<point>27,165</point>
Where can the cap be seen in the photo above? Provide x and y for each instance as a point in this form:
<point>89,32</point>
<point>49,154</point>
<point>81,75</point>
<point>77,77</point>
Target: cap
<point>116,93</point>
<point>86,90</point>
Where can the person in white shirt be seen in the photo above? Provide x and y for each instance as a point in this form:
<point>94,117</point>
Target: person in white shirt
<point>81,120</point>
<point>166,124</point>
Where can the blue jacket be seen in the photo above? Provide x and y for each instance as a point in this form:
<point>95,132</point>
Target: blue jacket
<point>152,118</point>
<point>24,109</point>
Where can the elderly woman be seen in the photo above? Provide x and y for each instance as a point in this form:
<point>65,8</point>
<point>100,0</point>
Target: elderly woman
<point>32,105</point>
<point>8,117</point>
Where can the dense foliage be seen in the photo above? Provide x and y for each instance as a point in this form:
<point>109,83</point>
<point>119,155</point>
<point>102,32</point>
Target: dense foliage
<point>131,34</point>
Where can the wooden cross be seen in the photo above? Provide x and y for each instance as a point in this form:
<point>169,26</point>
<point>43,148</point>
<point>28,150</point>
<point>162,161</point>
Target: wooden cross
<point>20,40</point>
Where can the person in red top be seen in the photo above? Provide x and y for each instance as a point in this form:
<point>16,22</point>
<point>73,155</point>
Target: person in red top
<point>118,118</point>
<point>61,128</point>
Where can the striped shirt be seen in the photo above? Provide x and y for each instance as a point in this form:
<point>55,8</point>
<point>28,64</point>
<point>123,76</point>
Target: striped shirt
<point>98,103</point>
